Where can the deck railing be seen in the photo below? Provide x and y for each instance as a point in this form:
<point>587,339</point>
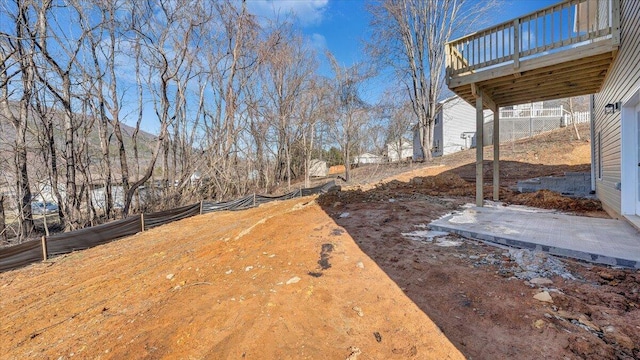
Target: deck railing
<point>564,25</point>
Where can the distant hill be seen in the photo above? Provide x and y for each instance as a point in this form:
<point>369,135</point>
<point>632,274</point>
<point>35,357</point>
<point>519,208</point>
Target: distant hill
<point>36,146</point>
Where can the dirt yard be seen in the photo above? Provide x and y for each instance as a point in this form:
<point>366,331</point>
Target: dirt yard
<point>335,277</point>
<point>481,296</point>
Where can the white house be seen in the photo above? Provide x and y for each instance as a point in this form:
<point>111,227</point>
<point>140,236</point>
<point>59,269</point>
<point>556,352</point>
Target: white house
<point>615,131</point>
<point>368,158</point>
<point>454,126</point>
<point>400,151</point>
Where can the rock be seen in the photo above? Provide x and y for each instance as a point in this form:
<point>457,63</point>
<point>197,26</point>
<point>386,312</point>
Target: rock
<point>228,271</point>
<point>621,339</point>
<point>248,268</point>
<point>293,280</point>
<point>539,324</point>
<point>609,329</point>
<point>336,204</point>
<point>474,257</point>
<point>543,296</point>
<point>606,275</point>
<point>582,319</point>
<point>169,276</point>
<point>541,281</point>
<point>588,348</point>
<point>377,336</point>
<point>344,215</point>
<point>566,315</point>
<point>534,264</point>
<point>358,310</point>
<point>354,353</point>
<point>360,265</point>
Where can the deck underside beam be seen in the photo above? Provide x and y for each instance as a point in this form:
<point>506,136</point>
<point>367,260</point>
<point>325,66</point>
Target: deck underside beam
<point>567,73</point>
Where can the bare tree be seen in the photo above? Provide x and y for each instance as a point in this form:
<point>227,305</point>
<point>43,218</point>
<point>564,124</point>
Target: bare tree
<point>575,104</point>
<point>350,111</point>
<point>311,109</point>
<point>3,226</point>
<point>56,72</point>
<point>166,30</point>
<point>410,36</point>
<point>400,119</point>
<point>17,53</point>
<point>287,70</point>
<point>230,98</point>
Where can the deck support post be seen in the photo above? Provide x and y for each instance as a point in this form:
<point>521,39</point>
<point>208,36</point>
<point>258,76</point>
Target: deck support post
<point>496,154</point>
<point>479,148</point>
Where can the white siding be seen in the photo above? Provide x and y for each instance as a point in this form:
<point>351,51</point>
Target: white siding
<point>458,117</point>
<point>438,138</point>
<point>395,153</point>
<point>368,158</point>
<point>622,79</point>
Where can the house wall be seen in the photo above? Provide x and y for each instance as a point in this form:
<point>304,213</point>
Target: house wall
<point>622,79</point>
<point>438,138</point>
<point>368,159</point>
<point>458,117</point>
<point>394,153</point>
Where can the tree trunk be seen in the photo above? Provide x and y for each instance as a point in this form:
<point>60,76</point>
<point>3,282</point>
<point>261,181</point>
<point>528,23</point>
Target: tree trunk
<point>22,176</point>
<point>573,119</point>
<point>3,227</point>
<point>72,204</point>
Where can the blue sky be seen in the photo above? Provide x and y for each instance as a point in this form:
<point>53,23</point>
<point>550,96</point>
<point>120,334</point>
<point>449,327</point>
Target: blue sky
<point>342,26</point>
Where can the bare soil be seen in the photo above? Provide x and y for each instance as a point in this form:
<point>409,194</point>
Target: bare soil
<point>281,281</point>
<point>470,290</point>
<point>329,278</point>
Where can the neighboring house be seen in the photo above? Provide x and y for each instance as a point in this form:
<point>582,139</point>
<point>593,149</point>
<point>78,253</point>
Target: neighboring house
<point>98,197</point>
<point>400,151</point>
<point>318,168</point>
<point>368,158</point>
<point>44,192</point>
<point>615,135</point>
<point>454,127</point>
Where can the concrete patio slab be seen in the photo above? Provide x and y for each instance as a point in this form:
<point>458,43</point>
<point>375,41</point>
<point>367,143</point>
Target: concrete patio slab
<point>602,241</point>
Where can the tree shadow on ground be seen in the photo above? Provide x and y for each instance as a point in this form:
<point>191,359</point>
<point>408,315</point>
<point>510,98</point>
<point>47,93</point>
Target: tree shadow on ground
<point>471,303</point>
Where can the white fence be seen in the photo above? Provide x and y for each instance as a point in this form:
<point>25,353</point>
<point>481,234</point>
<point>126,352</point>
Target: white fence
<point>517,124</point>
<point>578,117</point>
<point>531,113</point>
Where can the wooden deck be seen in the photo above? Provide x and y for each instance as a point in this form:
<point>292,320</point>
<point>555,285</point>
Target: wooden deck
<point>560,51</point>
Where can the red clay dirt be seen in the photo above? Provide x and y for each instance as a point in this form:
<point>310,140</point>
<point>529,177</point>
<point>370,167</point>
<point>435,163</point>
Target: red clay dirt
<point>328,278</point>
<point>282,281</point>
